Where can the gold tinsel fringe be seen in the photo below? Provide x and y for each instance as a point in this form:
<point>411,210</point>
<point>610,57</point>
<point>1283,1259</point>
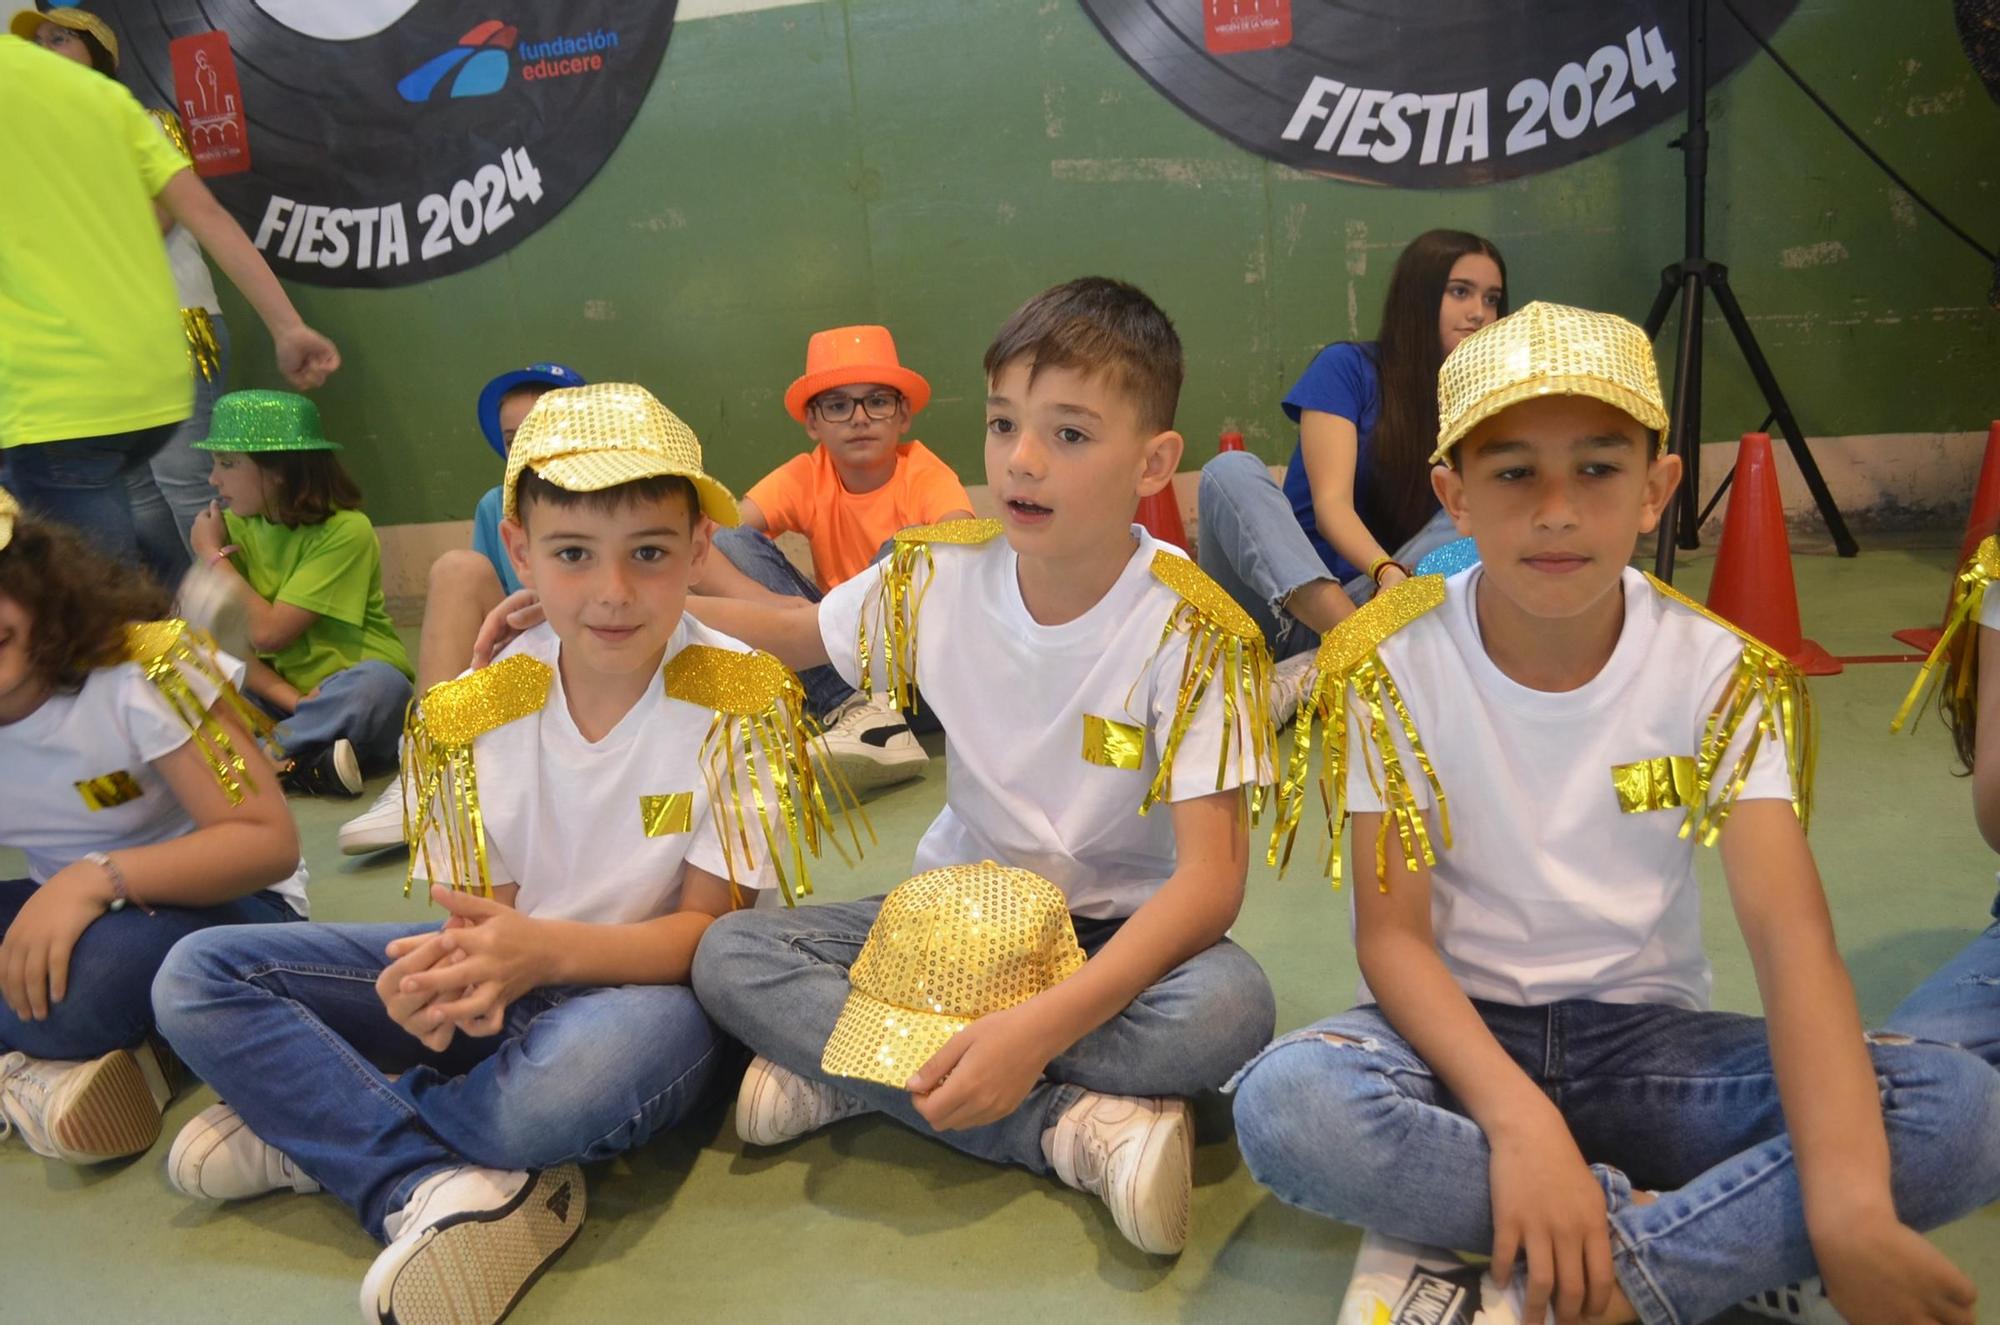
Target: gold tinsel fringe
<point>168,651</point>
<point>1954,661</point>
<point>1243,666</point>
<point>204,352</point>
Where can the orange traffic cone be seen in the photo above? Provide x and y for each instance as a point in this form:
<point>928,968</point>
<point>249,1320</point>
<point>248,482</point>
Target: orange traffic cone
<point>1229,441</point>
<point>1978,524</point>
<point>1161,514</point>
<point>1753,585</point>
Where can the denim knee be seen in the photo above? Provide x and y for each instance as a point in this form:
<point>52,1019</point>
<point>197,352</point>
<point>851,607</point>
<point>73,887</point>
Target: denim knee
<point>1942,1104</point>
<point>1244,1013</point>
<point>1306,1110</point>
<point>1225,475</point>
<point>187,978</point>
<point>724,945</point>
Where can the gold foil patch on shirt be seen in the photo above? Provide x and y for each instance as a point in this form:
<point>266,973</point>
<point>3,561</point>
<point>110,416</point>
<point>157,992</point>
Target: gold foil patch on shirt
<point>102,793</point>
<point>663,816</point>
<point>1112,743</point>
<point>1665,783</point>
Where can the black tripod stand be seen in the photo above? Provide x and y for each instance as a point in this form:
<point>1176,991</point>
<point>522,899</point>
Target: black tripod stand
<point>1690,278</point>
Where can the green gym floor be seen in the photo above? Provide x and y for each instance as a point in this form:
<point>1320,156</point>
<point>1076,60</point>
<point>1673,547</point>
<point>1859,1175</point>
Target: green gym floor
<point>866,1221</point>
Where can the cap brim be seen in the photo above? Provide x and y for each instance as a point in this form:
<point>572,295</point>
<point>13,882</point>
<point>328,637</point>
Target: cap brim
<point>1643,411</point>
<point>593,471</point>
<point>242,447</point>
<point>23,24</point>
<point>493,392</point>
<point>876,1041</point>
<point>913,386</point>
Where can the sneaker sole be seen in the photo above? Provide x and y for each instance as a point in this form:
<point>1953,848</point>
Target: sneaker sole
<point>110,1113</point>
<point>347,767</point>
<point>1166,1158</point>
<point>367,842</point>
<point>865,772</point>
<point>474,1271</point>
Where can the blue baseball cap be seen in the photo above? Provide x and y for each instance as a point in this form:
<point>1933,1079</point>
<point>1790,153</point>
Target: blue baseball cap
<point>535,374</point>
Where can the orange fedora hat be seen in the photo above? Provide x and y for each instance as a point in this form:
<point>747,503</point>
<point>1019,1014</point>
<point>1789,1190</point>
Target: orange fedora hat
<point>846,355</point>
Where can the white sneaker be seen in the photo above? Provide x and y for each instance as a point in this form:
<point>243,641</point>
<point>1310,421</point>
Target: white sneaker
<point>871,744</point>
<point>84,1112</point>
<point>469,1243</point>
<point>775,1104</point>
<point>378,827</point>
<point>1400,1283</point>
<point>1288,686</point>
<point>217,1157</point>
<point>1804,1302</point>
<point>1138,1156</point>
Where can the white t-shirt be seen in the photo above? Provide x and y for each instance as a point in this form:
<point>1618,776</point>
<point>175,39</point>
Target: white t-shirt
<point>1989,609</point>
<point>565,817</point>
<point>109,733</point>
<point>1550,890</point>
<point>1014,695</point>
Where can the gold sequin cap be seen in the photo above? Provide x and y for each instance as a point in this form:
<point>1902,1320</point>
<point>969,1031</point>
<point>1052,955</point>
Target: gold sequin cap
<point>948,947</point>
<point>10,511</point>
<point>588,438</point>
<point>1547,350</point>
<point>1955,659</point>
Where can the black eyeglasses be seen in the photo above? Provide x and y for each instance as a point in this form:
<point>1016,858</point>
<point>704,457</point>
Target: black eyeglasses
<point>838,406</point>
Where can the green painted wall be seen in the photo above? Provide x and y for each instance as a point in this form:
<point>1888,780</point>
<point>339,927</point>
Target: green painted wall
<point>930,163</point>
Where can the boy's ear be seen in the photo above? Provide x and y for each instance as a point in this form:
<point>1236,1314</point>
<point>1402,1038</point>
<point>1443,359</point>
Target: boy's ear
<point>1663,477</point>
<point>516,539</point>
<point>1449,485</point>
<point>701,540</point>
<point>1162,456</point>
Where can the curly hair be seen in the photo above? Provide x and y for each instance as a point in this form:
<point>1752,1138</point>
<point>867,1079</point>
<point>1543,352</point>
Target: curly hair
<point>78,599</point>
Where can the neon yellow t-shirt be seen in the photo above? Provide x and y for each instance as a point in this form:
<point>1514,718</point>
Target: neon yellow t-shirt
<point>93,342</point>
<point>333,568</point>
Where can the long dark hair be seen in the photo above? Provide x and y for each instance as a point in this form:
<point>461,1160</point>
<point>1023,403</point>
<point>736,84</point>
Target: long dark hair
<point>311,485</point>
<point>1408,357</point>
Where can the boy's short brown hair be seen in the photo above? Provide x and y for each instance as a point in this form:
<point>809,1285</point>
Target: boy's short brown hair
<point>1097,325</point>
<point>531,489</point>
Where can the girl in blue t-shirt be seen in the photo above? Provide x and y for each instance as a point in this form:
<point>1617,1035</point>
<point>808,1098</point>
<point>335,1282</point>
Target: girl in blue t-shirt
<point>1358,485</point>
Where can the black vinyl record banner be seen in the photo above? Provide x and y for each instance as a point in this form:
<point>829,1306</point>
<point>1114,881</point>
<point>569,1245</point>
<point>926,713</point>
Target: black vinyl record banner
<point>386,142</point>
<point>1437,94</point>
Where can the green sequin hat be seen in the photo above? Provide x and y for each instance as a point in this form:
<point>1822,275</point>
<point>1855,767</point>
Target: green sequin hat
<point>265,421</point>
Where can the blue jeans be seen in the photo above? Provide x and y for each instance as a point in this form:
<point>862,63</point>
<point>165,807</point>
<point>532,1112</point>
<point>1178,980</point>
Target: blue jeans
<point>777,981</point>
<point>1345,1120</point>
<point>758,557</point>
<point>363,703</point>
<point>169,492</point>
<point>285,1023</point>
<point>81,483</point>
<point>111,969</point>
<point>1960,1003</point>
<point>1252,545</point>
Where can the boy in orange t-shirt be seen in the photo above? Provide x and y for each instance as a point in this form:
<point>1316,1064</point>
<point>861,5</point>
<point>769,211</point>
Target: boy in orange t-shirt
<point>848,496</point>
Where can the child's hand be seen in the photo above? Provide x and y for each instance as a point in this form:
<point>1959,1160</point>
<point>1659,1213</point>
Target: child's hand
<point>206,534</point>
<point>1886,1273</point>
<point>983,1073</point>
<point>34,956</point>
<point>496,957</point>
<point>305,357</point>
<point>518,611</point>
<point>409,956</point>
<point>1548,1207</point>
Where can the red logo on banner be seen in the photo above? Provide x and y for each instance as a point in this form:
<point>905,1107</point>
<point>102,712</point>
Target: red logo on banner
<point>1247,25</point>
<point>210,101</point>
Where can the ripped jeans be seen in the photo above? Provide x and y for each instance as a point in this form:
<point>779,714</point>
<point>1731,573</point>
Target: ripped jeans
<point>1345,1120</point>
<point>1960,1003</point>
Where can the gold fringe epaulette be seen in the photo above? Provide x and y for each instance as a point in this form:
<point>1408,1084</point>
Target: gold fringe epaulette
<point>170,125</point>
<point>1766,679</point>
<point>761,720</point>
<point>1225,646</point>
<point>1954,661</point>
<point>169,651</point>
<point>901,599</point>
<point>1349,658</point>
<point>440,778</point>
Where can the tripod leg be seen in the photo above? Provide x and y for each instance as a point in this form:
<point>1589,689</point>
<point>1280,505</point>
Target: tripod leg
<point>1670,285</point>
<point>1686,428</point>
<point>1767,382</point>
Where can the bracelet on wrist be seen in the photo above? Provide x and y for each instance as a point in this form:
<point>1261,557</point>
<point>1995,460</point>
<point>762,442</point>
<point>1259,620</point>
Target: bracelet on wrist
<point>121,891</point>
<point>1380,564</point>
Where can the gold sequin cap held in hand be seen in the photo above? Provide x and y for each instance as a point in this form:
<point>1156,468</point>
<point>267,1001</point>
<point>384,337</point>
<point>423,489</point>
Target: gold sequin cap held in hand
<point>948,947</point>
<point>10,511</point>
<point>588,438</point>
<point>1547,350</point>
